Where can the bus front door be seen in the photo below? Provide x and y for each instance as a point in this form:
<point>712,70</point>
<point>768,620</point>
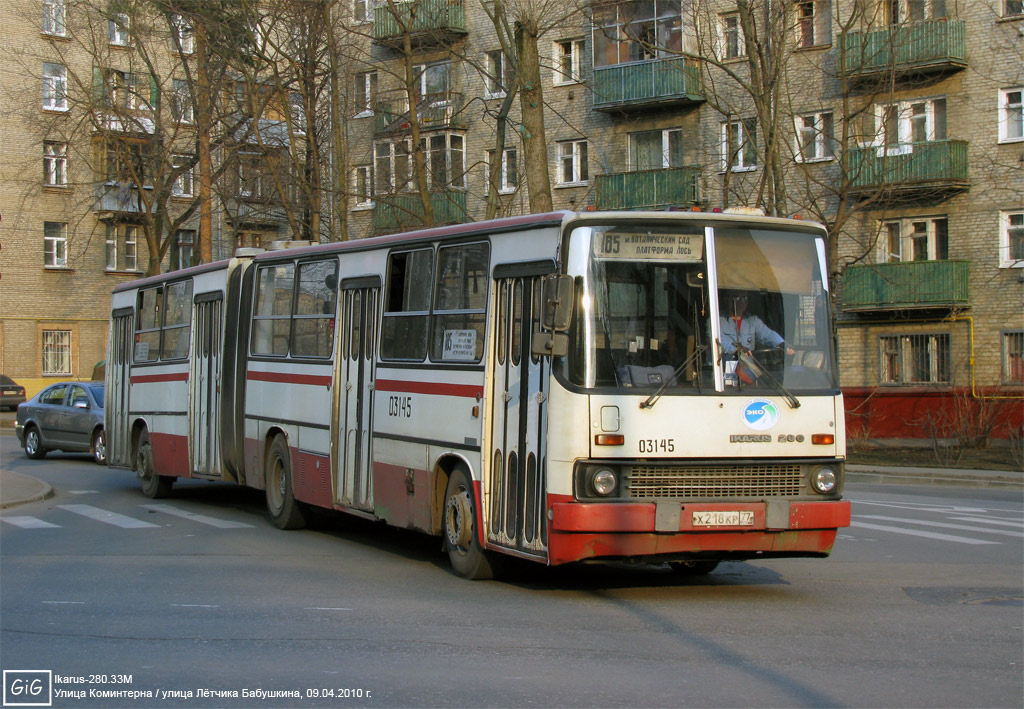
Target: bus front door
<point>354,482</point>
<point>518,409</point>
<point>118,389</point>
<point>204,380</point>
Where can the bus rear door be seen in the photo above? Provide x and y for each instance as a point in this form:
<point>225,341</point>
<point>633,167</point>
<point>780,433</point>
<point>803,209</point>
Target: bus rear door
<point>118,389</point>
<point>204,399</point>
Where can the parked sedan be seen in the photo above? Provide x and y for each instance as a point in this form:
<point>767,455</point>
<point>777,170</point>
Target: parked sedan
<point>11,393</point>
<point>67,416</point>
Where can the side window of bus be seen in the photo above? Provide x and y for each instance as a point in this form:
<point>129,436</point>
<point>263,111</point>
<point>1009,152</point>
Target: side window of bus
<point>315,306</point>
<point>177,325</point>
<point>271,327</point>
<point>407,305</point>
<point>147,325</point>
<point>459,303</point>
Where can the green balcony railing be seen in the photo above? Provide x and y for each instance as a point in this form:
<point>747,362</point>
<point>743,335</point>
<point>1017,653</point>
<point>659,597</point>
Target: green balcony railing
<point>639,84</point>
<point>393,213</point>
<point>435,112</point>
<point>422,18</point>
<point>907,284</point>
<point>920,46</point>
<point>648,189</point>
<point>914,166</point>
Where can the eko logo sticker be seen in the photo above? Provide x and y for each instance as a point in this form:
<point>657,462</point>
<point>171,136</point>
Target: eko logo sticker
<point>760,414</point>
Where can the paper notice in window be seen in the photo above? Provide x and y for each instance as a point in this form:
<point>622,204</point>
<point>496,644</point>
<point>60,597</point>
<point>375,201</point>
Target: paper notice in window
<point>460,345</point>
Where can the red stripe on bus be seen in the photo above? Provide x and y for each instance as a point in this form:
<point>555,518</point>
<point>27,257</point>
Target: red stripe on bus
<point>286,378</point>
<point>470,391</point>
<point>152,378</point>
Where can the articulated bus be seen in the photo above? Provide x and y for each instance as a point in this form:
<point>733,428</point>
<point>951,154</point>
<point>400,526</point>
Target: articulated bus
<point>558,387</point>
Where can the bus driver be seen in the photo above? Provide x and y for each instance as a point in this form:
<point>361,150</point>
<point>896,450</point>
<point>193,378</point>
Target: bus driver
<point>747,331</point>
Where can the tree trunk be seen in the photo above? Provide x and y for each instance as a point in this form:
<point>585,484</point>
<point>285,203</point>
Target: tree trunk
<point>531,101</point>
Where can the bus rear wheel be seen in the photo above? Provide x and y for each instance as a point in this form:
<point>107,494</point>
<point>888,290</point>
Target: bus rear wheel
<point>285,511</point>
<point>153,486</point>
<point>460,530</point>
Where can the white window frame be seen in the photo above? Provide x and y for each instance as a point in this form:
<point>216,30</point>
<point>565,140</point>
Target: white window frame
<point>122,260</point>
<point>496,75</point>
<point>1011,346</point>
<point>822,129</point>
<point>666,153</point>
<point>362,10</point>
<point>906,116</point>
<point>573,154</point>
<point>55,164</point>
<point>184,184</point>
<point>1011,115</point>
<point>1013,8</point>
<point>509,156</point>
<point>456,172</point>
<point>726,34</point>
<point>903,10</point>
<point>182,110</point>
<point>55,87</point>
<point>738,162</point>
<point>392,157</point>
<point>55,245</point>
<point>1010,220</point>
<point>117,30</point>
<point>366,92</point>
<point>55,15</point>
<point>898,237</point>
<point>185,247</point>
<point>56,353</point>
<point>571,50</point>
<point>184,33</point>
<point>362,186</point>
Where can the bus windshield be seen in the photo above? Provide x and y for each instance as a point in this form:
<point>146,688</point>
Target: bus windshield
<point>699,309</point>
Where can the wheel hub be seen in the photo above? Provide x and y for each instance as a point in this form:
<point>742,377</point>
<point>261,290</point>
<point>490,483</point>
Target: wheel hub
<point>458,516</point>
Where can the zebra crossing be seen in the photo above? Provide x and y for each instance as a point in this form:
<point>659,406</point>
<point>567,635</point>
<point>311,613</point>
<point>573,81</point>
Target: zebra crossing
<point>954,524</point>
<point>124,521</point>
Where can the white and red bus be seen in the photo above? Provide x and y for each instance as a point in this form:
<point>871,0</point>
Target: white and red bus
<point>557,387</point>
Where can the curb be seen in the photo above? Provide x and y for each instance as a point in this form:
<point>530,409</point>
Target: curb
<point>886,475</point>
<point>18,489</point>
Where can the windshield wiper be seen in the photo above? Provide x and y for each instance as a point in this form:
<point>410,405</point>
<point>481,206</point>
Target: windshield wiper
<point>747,360</point>
<point>650,401</point>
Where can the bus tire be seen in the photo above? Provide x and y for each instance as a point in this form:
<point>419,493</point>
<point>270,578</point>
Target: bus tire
<point>694,567</point>
<point>285,511</point>
<point>153,486</point>
<point>459,529</point>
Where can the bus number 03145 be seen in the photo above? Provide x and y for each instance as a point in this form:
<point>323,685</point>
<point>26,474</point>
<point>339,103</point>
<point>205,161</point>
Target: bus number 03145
<point>657,445</point>
<point>400,406</point>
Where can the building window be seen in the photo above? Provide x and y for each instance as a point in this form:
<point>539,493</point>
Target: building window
<point>572,162</point>
<point>55,87</point>
<point>1011,239</point>
<point>185,245</point>
<point>392,167</point>
<point>433,80</point>
<point>183,183</point>
<point>184,36</point>
<point>569,61</point>
<point>117,30</point>
<point>914,359</point>
<point>365,92</point>
<point>508,174</point>
<point>814,137</point>
<point>55,245</point>
<point>1013,357</point>
<point>655,149</point>
<point>732,36</point>
<point>636,30</point>
<point>499,77</point>
<point>444,156</point>
<point>253,177</point>
<point>182,110</point>
<point>54,17</point>
<point>122,247</point>
<point>739,145</point>
<point>812,23</point>
<point>362,187</point>
<point>903,11</point>
<point>1012,8</point>
<point>362,10</point>
<point>919,239</point>
<point>55,164</point>
<point>56,352</point>
<point>1011,114</point>
<point>899,125</point>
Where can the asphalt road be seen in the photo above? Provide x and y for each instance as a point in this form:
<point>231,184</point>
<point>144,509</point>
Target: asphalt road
<point>920,605</point>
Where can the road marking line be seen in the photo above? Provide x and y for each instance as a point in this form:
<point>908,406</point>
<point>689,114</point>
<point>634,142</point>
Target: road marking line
<point>986,520</point>
<point>29,523</point>
<point>65,603</point>
<point>326,609</point>
<point>921,533</point>
<point>107,517</point>
<point>963,527</point>
<point>203,519</point>
<point>82,492</point>
<point>192,605</point>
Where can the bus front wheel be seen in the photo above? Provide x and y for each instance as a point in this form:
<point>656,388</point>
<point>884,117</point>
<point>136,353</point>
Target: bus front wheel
<point>460,530</point>
<point>285,511</point>
<point>153,486</point>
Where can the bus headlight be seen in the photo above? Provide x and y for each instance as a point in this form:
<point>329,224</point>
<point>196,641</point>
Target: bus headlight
<point>824,480</point>
<point>603,482</point>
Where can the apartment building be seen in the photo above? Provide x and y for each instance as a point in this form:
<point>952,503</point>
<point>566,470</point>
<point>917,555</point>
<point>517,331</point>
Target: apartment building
<point>896,122</point>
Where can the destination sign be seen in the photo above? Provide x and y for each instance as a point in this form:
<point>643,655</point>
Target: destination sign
<point>648,246</point>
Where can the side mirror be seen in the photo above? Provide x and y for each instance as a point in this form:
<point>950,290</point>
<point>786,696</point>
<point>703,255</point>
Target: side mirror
<point>557,303</point>
<point>81,404</point>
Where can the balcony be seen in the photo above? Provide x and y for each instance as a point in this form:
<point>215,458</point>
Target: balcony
<point>442,111</point>
<point>120,200</point>
<point>930,47</point>
<point>643,85</point>
<point>933,169</point>
<point>401,212</point>
<point>648,189</point>
<point>428,22</point>
<point>906,285</point>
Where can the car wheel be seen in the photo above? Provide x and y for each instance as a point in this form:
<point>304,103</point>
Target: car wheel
<point>98,447</point>
<point>34,444</point>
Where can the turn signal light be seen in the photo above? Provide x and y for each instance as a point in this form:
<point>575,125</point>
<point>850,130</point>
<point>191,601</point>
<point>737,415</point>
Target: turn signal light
<point>609,439</point>
<point>823,439</point>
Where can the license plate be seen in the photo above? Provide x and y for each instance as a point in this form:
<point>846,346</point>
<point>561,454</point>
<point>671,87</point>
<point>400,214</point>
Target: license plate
<point>724,518</point>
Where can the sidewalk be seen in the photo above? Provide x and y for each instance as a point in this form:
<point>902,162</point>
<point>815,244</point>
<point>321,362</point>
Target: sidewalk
<point>17,489</point>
